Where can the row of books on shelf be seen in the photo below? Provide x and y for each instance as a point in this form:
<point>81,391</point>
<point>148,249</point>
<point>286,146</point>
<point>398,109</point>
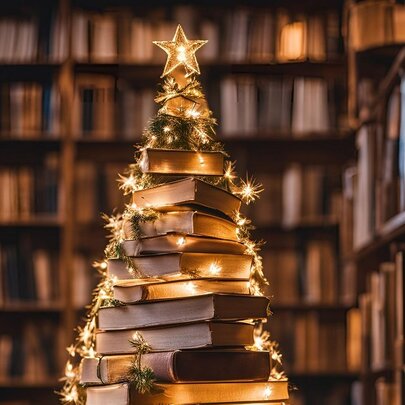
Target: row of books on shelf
<point>382,316</point>
<point>104,110</point>
<point>374,189</point>
<point>299,106</point>
<point>30,274</point>
<point>29,110</point>
<point>30,191</point>
<point>31,353</point>
<point>299,195</point>
<point>244,35</point>
<point>34,38</point>
<point>310,341</point>
<point>306,275</point>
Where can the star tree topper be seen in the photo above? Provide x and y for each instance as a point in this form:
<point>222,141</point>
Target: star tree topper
<point>180,51</point>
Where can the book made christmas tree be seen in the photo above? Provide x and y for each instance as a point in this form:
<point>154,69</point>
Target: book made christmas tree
<point>178,315</point>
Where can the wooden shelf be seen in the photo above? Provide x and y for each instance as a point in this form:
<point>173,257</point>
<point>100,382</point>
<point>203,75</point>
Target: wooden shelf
<point>26,151</point>
<point>34,222</point>
<point>152,70</point>
<point>21,384</point>
<point>304,307</point>
<point>392,230</point>
<point>313,149</point>
<point>31,307</point>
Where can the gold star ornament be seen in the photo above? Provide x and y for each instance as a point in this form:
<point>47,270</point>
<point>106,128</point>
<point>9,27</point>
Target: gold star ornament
<point>180,51</point>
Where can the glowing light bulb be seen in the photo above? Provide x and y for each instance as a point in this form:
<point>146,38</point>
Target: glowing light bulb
<point>267,392</point>
<point>258,342</point>
<point>201,160</point>
<point>166,129</point>
<point>181,54</point>
<point>181,241</point>
<point>103,265</point>
<point>215,268</point>
<point>71,350</point>
<point>192,113</point>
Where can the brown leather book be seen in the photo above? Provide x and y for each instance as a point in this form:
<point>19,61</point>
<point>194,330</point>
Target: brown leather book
<point>189,191</point>
<point>182,162</point>
<point>182,366</point>
<point>177,242</point>
<point>187,336</point>
<point>191,393</point>
<point>192,309</point>
<point>177,265</point>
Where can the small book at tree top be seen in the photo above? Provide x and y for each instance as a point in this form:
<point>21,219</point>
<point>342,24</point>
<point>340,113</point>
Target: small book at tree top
<point>190,222</point>
<point>184,265</point>
<point>186,336</point>
<point>189,191</point>
<point>182,366</point>
<point>191,309</point>
<point>190,393</point>
<point>182,162</point>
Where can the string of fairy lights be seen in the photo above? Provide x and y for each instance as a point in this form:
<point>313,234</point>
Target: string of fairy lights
<point>183,122</point>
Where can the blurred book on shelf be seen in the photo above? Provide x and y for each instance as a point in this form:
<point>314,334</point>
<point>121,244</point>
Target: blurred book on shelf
<point>312,342</point>
<point>300,106</point>
<point>42,37</point>
<point>101,110</point>
<point>31,353</point>
<point>29,110</point>
<point>30,192</point>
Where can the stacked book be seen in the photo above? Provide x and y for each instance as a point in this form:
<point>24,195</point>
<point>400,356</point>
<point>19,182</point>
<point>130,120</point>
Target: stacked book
<point>193,305</point>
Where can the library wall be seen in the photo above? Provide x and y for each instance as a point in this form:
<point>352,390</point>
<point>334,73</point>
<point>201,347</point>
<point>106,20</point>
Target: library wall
<point>315,115</point>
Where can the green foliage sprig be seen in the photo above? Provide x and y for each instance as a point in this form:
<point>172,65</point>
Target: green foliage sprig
<point>141,377</point>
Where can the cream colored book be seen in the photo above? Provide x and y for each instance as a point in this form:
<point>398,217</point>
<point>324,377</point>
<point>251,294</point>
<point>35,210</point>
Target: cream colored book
<point>182,162</point>
<point>181,366</point>
<point>188,191</point>
<point>177,242</point>
<point>187,336</point>
<point>224,307</point>
<point>188,222</point>
<point>147,290</point>
<point>184,265</point>
<point>191,393</point>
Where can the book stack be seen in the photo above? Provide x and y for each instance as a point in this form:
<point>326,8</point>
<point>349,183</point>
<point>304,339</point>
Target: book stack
<point>197,326</point>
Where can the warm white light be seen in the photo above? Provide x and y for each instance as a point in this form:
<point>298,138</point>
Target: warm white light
<point>267,392</point>
<point>201,160</point>
<point>193,113</point>
<point>69,372</point>
<point>191,287</point>
<point>71,350</point>
<point>181,241</point>
<point>166,129</point>
<point>258,342</point>
<point>181,54</point>
<point>215,268</point>
<point>103,265</point>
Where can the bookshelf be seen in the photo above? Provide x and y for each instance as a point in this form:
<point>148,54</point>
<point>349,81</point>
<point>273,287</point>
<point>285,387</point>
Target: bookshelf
<point>375,74</point>
<point>99,156</point>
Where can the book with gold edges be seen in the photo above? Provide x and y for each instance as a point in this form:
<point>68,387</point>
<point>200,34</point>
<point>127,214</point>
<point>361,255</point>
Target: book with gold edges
<point>183,310</point>
<point>188,191</point>
<point>189,222</point>
<point>182,162</point>
<point>183,264</point>
<point>186,336</point>
<point>190,393</point>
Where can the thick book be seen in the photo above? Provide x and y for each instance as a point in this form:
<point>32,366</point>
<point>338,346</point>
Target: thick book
<point>187,336</point>
<point>182,366</point>
<point>147,290</point>
<point>189,191</point>
<point>186,222</point>
<point>191,309</point>
<point>182,162</point>
<point>177,242</point>
<point>167,265</point>
<point>191,393</point>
